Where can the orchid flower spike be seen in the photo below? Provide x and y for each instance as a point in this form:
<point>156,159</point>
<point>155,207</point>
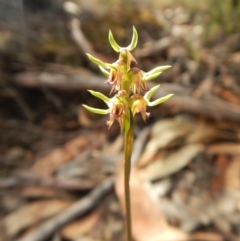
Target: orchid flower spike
<point>127,83</point>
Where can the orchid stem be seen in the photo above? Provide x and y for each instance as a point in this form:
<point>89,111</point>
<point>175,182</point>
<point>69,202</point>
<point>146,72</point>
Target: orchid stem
<point>128,148</point>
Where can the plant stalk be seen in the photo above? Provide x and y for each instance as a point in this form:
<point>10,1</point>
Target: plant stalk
<point>128,148</point>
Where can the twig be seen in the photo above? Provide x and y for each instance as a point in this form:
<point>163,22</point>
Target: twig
<point>61,184</point>
<point>79,37</point>
<point>79,208</point>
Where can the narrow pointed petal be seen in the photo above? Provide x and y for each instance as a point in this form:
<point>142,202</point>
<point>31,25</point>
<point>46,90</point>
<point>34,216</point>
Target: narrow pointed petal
<point>113,43</point>
<point>160,100</point>
<point>97,61</point>
<point>99,95</point>
<point>96,110</point>
<point>158,70</point>
<point>104,71</point>
<point>150,77</point>
<point>134,41</point>
<point>150,93</point>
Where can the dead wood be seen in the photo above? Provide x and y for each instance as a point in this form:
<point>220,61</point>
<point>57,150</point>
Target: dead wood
<point>48,182</point>
<point>74,80</point>
<point>79,37</point>
<point>76,210</point>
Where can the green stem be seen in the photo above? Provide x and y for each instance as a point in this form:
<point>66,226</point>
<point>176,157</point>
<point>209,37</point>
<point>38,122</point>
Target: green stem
<point>128,148</point>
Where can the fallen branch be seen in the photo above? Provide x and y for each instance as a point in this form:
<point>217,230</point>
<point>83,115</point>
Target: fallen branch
<point>47,182</point>
<point>76,80</point>
<point>79,208</point>
<point>79,38</point>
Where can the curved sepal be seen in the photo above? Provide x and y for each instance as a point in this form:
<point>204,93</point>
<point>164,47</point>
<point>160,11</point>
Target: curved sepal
<point>113,43</point>
<point>150,77</point>
<point>96,110</point>
<point>97,61</point>
<point>134,41</point>
<point>99,95</point>
<point>160,100</point>
<point>158,70</point>
<point>148,95</point>
<point>104,72</point>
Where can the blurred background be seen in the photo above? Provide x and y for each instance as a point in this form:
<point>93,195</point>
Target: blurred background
<point>60,168</point>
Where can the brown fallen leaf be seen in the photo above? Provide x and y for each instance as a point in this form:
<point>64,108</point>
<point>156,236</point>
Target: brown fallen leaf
<point>226,94</point>
<point>31,214</point>
<point>172,163</point>
<point>148,222</point>
<point>207,236</point>
<point>217,182</point>
<point>202,134</point>
<point>49,163</point>
<point>238,205</point>
<point>163,133</point>
<point>79,227</point>
<point>232,175</point>
<point>38,192</point>
<point>224,148</point>
<point>2,234</point>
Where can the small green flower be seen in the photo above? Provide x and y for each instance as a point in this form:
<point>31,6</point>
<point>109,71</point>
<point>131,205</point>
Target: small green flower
<point>137,82</point>
<point>117,108</point>
<point>139,105</point>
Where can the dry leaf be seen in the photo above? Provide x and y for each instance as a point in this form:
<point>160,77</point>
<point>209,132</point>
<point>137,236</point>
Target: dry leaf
<point>32,214</point>
<point>50,162</point>
<point>224,148</point>
<point>149,223</point>
<point>207,236</point>
<point>81,226</point>
<point>172,163</point>
<point>85,238</point>
<point>38,192</point>
<point>238,205</point>
<point>217,182</point>
<point>232,175</point>
<point>203,133</point>
<point>76,145</point>
<point>226,95</point>
<point>163,133</point>
<point>114,147</point>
